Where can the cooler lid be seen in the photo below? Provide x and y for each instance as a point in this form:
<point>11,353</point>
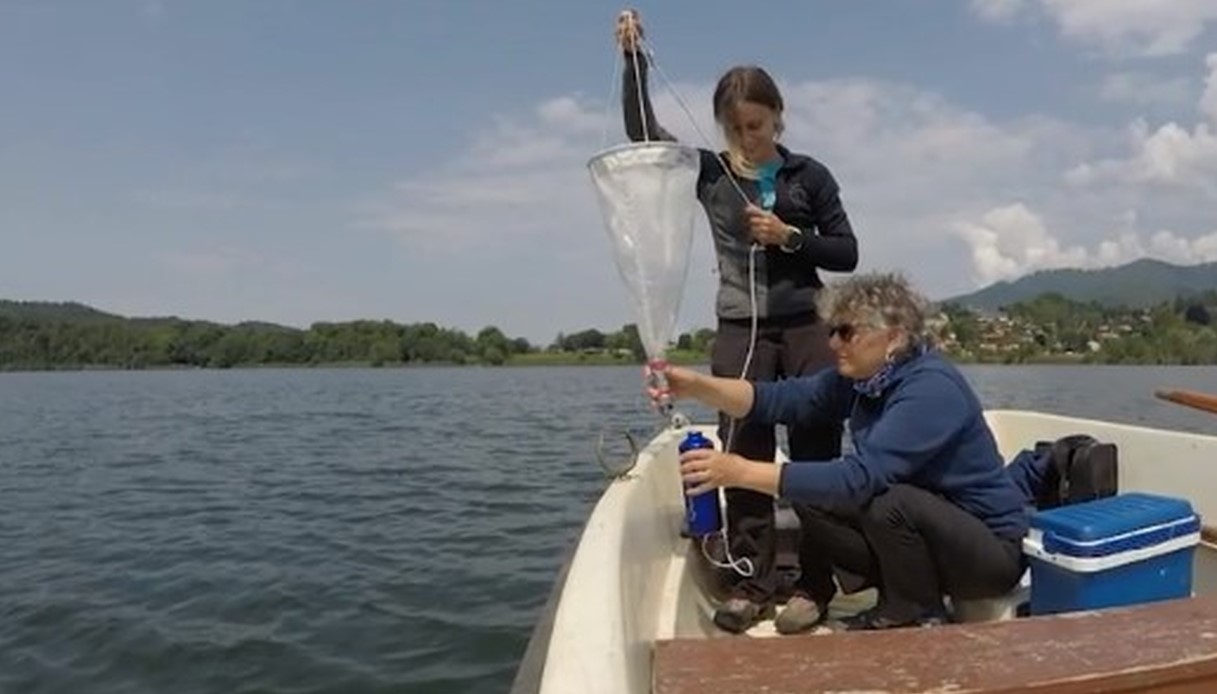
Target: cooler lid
<point>1114,524</point>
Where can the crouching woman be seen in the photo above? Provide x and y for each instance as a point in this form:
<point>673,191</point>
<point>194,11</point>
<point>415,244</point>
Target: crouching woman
<point>922,508</point>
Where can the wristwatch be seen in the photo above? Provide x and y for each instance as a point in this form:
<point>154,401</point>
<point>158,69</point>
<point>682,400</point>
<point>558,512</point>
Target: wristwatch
<point>794,241</point>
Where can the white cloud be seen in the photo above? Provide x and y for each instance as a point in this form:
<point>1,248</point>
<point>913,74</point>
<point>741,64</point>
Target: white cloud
<point>949,195</point>
<point>1166,175</point>
<point>1168,246</point>
<point>521,180</point>
<point>1126,248</point>
<point>906,160</point>
<point>1145,89</point>
<point>1142,27</point>
<point>1171,156</point>
<point>998,10</point>
<point>1009,242</point>
<point>568,115</point>
<point>1208,101</point>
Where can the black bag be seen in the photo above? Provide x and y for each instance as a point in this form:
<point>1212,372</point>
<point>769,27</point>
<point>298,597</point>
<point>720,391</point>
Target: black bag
<point>1079,468</point>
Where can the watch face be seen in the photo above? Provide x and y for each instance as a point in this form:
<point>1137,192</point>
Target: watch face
<point>796,239</point>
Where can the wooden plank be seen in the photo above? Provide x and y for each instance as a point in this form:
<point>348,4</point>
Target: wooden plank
<point>1164,647</point>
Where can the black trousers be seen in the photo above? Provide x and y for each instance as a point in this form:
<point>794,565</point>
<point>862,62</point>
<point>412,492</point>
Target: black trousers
<point>913,545</point>
<point>794,346</point>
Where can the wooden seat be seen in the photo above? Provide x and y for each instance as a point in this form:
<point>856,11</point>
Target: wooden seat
<point>1162,647</point>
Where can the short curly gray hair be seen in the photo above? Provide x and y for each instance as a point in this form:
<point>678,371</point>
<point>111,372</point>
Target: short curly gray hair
<point>877,299</point>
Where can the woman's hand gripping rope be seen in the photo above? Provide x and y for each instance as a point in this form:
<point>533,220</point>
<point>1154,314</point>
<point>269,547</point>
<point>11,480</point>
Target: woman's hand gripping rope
<point>629,30</point>
<point>766,227</point>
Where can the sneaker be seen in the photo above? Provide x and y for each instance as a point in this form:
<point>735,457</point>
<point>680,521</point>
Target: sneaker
<point>738,615</point>
<point>800,614</point>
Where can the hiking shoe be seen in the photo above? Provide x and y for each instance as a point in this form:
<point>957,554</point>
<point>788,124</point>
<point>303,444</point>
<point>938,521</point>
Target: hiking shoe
<point>800,614</point>
<point>738,615</point>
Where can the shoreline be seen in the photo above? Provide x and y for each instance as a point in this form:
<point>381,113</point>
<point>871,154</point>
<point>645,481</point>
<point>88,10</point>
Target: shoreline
<point>517,363</point>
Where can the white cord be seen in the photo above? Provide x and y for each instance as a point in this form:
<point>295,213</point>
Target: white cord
<point>650,52</point>
<point>743,566</point>
<point>612,96</point>
<point>732,562</point>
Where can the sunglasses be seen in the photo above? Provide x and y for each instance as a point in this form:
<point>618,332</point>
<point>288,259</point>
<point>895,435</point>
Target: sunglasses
<point>845,331</point>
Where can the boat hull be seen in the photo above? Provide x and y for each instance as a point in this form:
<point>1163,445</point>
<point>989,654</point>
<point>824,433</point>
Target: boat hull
<point>632,581</point>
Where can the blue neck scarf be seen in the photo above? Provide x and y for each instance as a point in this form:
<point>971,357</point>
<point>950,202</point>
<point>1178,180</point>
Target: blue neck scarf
<point>767,174</point>
<point>874,386</point>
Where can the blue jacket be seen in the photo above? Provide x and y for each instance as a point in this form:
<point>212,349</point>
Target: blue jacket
<point>926,428</point>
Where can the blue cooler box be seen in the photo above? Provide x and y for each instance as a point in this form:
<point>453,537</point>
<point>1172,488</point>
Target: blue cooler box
<point>1122,550</point>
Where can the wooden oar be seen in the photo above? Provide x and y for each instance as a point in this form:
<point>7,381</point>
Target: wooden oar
<point>1199,401</point>
<point>1189,398</point>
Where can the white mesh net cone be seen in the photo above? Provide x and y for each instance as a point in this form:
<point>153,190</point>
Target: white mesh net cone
<point>647,195</point>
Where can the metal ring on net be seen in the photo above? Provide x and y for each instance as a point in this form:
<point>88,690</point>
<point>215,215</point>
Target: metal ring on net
<point>620,469</point>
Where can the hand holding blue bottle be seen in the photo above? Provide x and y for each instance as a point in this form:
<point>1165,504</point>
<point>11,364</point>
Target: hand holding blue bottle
<point>705,469</point>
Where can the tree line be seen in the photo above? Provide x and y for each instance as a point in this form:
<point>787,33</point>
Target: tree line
<point>68,337</point>
<point>41,335</point>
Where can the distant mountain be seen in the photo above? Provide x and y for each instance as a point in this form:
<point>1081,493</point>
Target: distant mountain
<point>1139,284</point>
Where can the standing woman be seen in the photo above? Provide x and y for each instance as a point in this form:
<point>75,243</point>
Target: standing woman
<point>768,252</point>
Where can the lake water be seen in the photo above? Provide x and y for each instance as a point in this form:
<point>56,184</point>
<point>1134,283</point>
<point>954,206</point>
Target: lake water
<point>344,530</point>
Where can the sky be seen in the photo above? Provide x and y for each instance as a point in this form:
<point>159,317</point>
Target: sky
<point>426,160</point>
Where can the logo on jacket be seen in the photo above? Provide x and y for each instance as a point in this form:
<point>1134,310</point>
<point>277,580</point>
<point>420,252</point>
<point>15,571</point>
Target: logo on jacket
<point>798,194</point>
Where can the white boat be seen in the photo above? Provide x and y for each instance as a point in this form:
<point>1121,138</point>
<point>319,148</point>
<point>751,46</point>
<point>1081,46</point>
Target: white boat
<point>633,583</point>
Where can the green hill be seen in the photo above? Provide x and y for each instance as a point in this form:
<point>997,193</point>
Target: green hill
<point>67,311</point>
<point>68,335</point>
<point>1140,284</point>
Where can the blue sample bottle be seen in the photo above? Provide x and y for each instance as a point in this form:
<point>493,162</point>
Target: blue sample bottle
<point>702,512</point>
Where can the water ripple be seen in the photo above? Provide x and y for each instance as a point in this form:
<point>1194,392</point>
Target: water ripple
<point>286,531</point>
<point>340,530</point>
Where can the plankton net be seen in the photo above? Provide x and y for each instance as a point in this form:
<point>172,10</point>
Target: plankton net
<point>647,196</point>
<point>647,193</point>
